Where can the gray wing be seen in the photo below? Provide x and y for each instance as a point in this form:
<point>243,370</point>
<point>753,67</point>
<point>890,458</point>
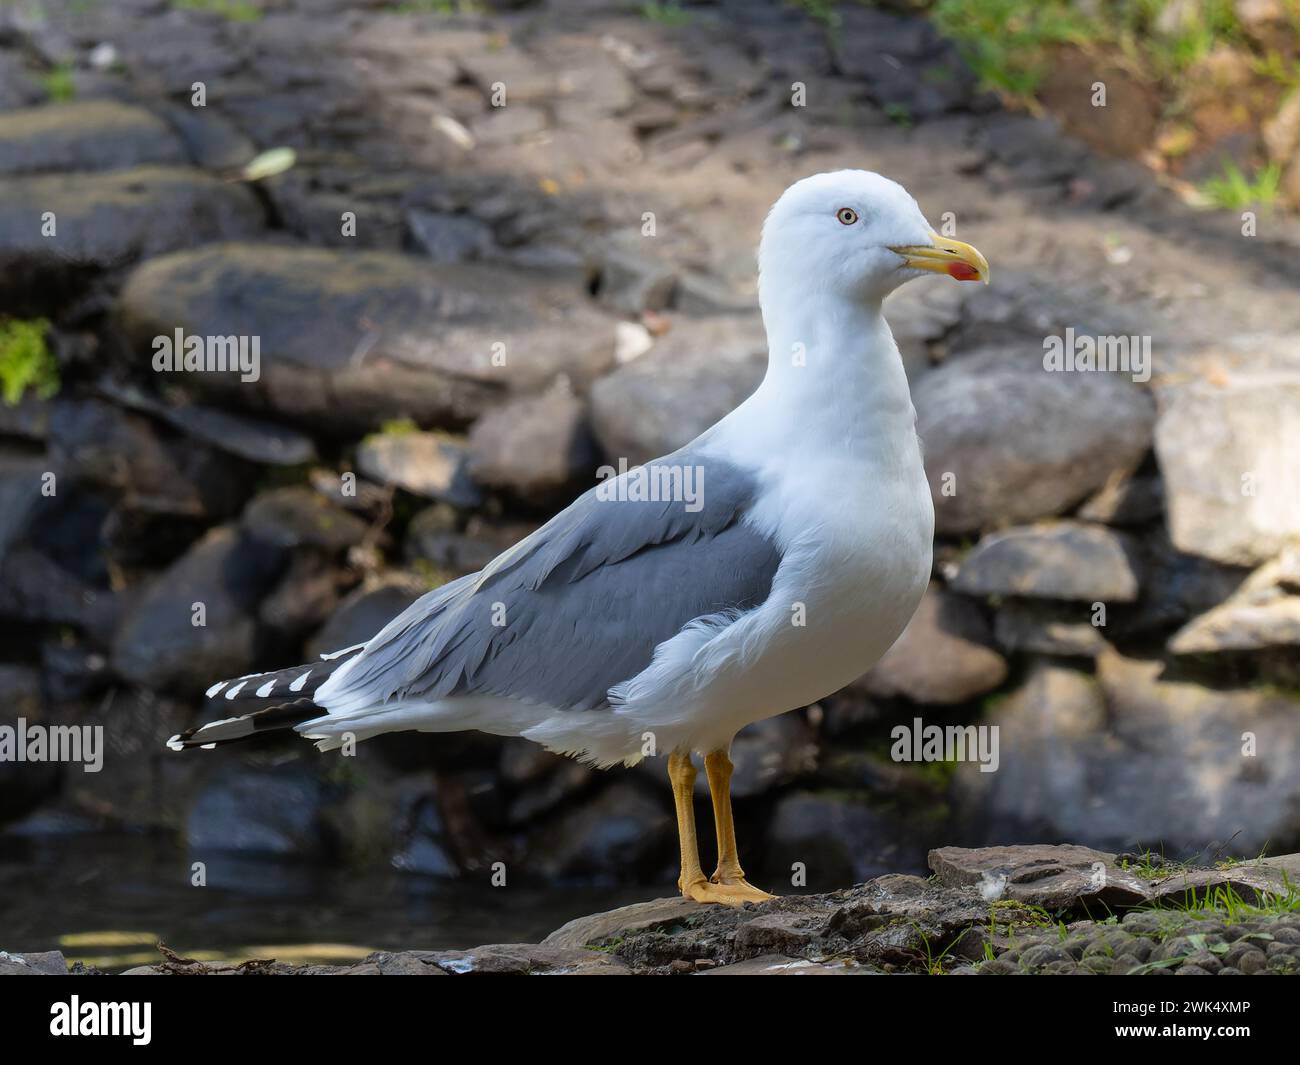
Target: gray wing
<point>580,605</point>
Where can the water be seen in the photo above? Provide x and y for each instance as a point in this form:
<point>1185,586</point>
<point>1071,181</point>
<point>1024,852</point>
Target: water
<point>106,899</point>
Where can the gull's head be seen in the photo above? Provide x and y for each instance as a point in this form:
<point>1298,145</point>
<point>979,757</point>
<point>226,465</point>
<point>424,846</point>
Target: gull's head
<point>859,235</point>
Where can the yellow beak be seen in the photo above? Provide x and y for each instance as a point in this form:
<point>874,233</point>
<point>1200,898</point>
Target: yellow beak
<point>946,256</point>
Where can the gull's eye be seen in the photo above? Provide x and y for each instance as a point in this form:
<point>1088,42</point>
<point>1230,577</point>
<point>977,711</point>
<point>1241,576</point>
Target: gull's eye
<point>847,216</point>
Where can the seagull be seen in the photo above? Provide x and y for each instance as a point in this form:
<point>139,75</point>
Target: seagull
<point>761,567</point>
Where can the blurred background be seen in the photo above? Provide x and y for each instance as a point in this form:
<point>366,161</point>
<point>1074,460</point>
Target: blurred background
<point>334,179</point>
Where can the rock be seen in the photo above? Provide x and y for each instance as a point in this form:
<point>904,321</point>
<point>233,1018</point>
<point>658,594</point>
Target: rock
<point>1267,21</point>
<point>45,963</point>
<point>1126,126</point>
<point>601,927</point>
<point>1007,441</point>
<point>539,798</point>
<point>423,847</point>
<point>36,588</point>
<point>619,835</point>
<point>526,959</point>
<point>920,316</point>
<point>880,48</point>
<point>1126,500</point>
<point>211,140</point>
<point>1226,455</point>
<point>18,85</point>
<point>158,645</point>
<point>1281,131</point>
<point>1047,628</point>
<point>1056,560</point>
<point>87,135</point>
<point>1127,758</point>
<point>504,125</point>
<point>701,294</point>
<point>450,238</point>
<point>632,280</point>
<point>352,340</point>
<point>538,449</point>
<point>1263,612</point>
<point>22,688</point>
<point>434,536</point>
<point>248,438</point>
<point>21,480</point>
<point>768,755</point>
<point>692,376</point>
<point>304,597</point>
<point>96,445</point>
<point>781,965</point>
<point>1053,877</point>
<point>365,611</point>
<point>1175,587</point>
<point>255,812</point>
<point>347,219</point>
<point>425,464</point>
<point>24,786</point>
<point>497,959</point>
<point>944,656</point>
<point>1034,148</point>
<point>28,419</point>
<point>346,491</point>
<point>887,922</point>
<point>834,838</point>
<point>522,76</point>
<point>298,517</point>
<point>111,220</point>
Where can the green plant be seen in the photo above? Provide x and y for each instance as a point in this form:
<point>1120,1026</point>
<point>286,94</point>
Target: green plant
<point>234,10</point>
<point>1225,903</point>
<point>1286,72</point>
<point>1234,191</point>
<point>396,427</point>
<point>1201,28</point>
<point>821,10</point>
<point>665,12</point>
<point>899,114</point>
<point>438,7</point>
<point>1006,41</point>
<point>933,962</point>
<point>26,360</point>
<point>58,83</point>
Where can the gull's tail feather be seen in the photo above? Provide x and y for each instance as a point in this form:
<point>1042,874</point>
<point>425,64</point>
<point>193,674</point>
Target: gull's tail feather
<point>264,702</point>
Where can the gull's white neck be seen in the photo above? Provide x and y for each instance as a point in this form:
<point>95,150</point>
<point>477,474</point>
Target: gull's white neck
<point>835,389</point>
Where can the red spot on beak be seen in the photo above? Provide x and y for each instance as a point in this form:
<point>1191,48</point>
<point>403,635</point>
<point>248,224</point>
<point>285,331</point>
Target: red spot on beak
<point>963,271</point>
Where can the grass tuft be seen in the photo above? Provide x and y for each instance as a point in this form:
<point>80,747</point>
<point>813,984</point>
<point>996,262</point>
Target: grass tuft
<point>1233,191</point>
<point>26,361</point>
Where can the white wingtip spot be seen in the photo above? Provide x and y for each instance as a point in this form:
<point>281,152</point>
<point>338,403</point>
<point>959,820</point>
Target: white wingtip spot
<point>330,656</point>
<point>296,686</point>
<point>175,744</point>
<point>236,689</point>
<point>215,688</point>
<point>265,689</point>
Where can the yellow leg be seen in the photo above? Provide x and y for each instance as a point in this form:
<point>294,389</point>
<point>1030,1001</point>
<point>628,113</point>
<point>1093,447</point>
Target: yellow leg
<point>681,773</point>
<point>692,882</point>
<point>729,874</point>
